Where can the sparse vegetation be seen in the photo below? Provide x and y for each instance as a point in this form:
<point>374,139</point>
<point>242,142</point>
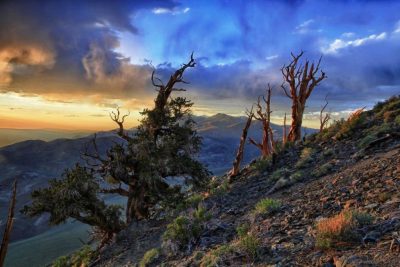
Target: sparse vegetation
<point>373,133</point>
<point>191,201</point>
<point>250,244</point>
<point>81,258</point>
<point>216,256</point>
<point>322,170</point>
<point>149,257</point>
<point>341,228</point>
<point>297,176</point>
<point>185,230</point>
<point>362,218</point>
<point>306,157</point>
<point>267,206</point>
<point>279,173</point>
<point>355,121</point>
<point>262,164</point>
<point>328,152</point>
<point>219,189</point>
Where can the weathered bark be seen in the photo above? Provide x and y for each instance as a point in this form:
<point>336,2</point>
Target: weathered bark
<point>9,224</point>
<point>267,143</point>
<point>164,91</point>
<point>302,81</point>
<point>284,134</point>
<point>324,119</point>
<point>239,154</point>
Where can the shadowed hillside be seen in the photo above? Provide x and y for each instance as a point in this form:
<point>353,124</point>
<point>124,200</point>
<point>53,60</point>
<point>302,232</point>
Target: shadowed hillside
<point>34,162</point>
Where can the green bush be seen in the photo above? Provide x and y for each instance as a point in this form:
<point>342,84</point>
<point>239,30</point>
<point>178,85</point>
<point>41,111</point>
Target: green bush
<point>62,261</point>
<point>328,152</point>
<point>267,206</point>
<point>374,133</point>
<point>391,104</point>
<point>322,170</point>
<point>262,165</point>
<point>297,176</point>
<point>397,120</point>
<point>279,173</point>
<point>306,157</point>
<point>349,127</point>
<point>220,189</point>
<point>179,230</point>
<point>215,257</point>
<point>250,244</point>
<point>190,202</point>
<point>149,257</point>
<point>80,258</point>
<point>186,229</point>
<point>242,230</point>
<point>363,218</point>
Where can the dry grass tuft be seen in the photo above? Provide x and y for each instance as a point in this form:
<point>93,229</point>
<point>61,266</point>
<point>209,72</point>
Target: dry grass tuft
<point>337,230</point>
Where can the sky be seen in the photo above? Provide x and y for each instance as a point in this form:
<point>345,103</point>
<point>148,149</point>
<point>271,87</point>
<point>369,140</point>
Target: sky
<point>67,64</point>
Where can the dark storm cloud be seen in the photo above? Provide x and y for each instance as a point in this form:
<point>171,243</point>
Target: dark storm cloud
<point>67,47</point>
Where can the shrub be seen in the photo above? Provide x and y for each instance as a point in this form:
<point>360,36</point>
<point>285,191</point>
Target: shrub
<point>297,176</point>
<point>328,152</point>
<point>220,189</point>
<point>149,257</point>
<point>322,170</point>
<point>332,232</point>
<point>216,256</point>
<point>279,173</point>
<point>192,201</point>
<point>392,104</point>
<point>179,230</point>
<point>185,230</point>
<point>305,157</point>
<point>62,261</point>
<point>250,245</point>
<point>355,121</point>
<point>397,120</point>
<point>242,230</point>
<point>80,258</point>
<point>267,206</point>
<point>362,218</point>
<point>331,131</point>
<point>262,165</point>
<point>374,133</point>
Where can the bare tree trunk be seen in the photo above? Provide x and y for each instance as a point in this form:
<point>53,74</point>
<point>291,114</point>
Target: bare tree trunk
<point>239,154</point>
<point>9,224</point>
<point>302,81</point>
<point>324,119</point>
<point>267,144</point>
<point>284,135</point>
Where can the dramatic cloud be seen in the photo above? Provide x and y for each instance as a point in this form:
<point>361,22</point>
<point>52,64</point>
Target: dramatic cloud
<point>68,47</point>
<point>94,51</point>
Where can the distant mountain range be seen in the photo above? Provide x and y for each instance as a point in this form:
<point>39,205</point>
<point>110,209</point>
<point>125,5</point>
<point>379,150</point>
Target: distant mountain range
<point>12,136</point>
<point>34,162</point>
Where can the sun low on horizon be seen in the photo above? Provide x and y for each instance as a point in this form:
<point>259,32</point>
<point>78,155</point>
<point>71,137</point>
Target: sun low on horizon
<point>68,64</point>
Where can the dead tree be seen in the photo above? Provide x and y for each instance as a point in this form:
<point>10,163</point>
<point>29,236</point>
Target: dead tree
<point>264,116</point>
<point>9,224</point>
<point>284,134</point>
<point>302,80</point>
<point>239,154</point>
<point>324,119</point>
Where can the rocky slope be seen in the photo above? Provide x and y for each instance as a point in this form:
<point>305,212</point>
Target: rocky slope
<point>331,200</point>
